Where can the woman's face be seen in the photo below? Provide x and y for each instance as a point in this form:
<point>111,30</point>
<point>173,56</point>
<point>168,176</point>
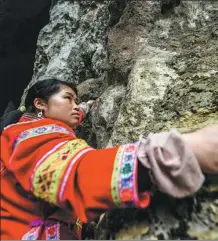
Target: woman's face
<point>62,106</point>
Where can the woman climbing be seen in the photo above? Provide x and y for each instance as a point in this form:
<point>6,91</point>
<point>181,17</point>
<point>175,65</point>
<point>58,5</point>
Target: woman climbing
<point>52,182</point>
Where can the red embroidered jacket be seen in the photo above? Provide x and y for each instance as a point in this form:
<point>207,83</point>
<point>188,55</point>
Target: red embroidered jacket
<point>42,161</point>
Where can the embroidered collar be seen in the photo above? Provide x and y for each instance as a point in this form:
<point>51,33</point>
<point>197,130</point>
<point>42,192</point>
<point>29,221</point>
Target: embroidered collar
<point>27,117</point>
<point>30,117</point>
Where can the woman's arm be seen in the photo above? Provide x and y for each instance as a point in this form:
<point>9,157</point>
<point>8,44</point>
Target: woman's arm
<point>65,171</point>
<point>204,144</point>
<point>172,165</point>
<point>176,161</point>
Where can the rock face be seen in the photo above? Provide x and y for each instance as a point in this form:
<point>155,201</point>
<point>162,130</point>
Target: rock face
<point>151,66</point>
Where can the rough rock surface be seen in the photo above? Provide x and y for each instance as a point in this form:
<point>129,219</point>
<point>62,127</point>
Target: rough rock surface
<point>152,65</point>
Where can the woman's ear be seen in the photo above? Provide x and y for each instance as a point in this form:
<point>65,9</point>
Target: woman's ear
<point>40,104</point>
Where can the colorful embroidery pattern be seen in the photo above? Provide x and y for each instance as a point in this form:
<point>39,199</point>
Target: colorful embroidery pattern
<point>53,232</point>
<point>123,183</point>
<point>33,234</point>
<point>67,173</point>
<point>43,130</point>
<point>48,175</point>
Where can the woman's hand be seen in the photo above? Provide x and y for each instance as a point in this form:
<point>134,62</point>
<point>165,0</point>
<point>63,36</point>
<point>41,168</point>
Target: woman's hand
<point>204,144</point>
<point>90,103</point>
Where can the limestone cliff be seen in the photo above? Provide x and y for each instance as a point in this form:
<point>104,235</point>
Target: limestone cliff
<point>151,65</point>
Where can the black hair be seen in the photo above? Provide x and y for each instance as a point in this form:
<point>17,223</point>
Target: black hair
<point>43,89</point>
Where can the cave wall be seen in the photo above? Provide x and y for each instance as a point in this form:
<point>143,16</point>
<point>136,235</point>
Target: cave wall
<point>152,66</point>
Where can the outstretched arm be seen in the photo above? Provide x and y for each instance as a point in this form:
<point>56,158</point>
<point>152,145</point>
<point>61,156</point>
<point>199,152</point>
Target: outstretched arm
<point>176,161</point>
<point>204,144</point>
<point>51,163</point>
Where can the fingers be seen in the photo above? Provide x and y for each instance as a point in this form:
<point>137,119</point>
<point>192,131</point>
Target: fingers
<point>90,102</point>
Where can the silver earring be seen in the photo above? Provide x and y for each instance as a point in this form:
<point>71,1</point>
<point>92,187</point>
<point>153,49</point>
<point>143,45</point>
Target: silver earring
<point>40,114</point>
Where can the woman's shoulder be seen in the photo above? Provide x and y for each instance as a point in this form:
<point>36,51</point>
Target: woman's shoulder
<point>25,125</point>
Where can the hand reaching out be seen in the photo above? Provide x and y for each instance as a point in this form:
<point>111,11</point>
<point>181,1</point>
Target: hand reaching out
<point>204,144</point>
<point>90,103</point>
